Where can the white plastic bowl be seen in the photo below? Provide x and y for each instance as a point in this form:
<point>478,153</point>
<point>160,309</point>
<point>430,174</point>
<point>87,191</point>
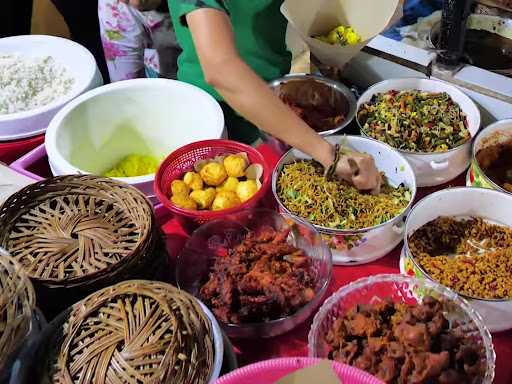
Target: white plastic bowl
<point>78,61</point>
<point>364,245</point>
<point>433,169</point>
<point>143,116</point>
<point>490,205</point>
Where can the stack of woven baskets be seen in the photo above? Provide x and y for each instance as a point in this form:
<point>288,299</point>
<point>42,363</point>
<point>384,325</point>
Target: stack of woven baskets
<point>136,331</point>
<point>76,234</point>
<point>17,301</point>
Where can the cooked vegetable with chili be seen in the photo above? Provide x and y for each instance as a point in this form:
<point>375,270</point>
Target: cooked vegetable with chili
<point>400,343</point>
<point>415,121</point>
<point>470,256</point>
<point>304,191</point>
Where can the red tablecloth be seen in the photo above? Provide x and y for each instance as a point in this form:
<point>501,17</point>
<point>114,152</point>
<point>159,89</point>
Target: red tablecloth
<point>294,343</point>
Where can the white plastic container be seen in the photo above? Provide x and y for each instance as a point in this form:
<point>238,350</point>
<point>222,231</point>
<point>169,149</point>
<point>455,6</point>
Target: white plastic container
<point>364,245</point>
<point>78,61</point>
<point>490,205</point>
<point>433,169</point>
<point>143,116</point>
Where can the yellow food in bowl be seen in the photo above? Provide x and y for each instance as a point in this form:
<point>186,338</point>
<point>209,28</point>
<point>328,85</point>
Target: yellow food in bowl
<point>133,165</point>
<point>246,189</point>
<point>204,199</point>
<point>193,180</point>
<point>213,174</point>
<point>213,186</point>
<point>235,165</point>
<point>225,200</point>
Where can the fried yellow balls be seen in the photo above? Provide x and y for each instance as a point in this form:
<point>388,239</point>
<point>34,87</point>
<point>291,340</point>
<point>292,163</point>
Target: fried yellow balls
<point>235,165</point>
<point>246,189</point>
<point>184,202</point>
<point>213,174</point>
<point>193,180</point>
<point>204,199</point>
<point>225,200</point>
<point>229,185</point>
<point>179,188</point>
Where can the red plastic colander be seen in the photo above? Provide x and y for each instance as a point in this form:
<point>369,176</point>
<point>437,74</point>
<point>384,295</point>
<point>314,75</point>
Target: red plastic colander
<point>183,159</point>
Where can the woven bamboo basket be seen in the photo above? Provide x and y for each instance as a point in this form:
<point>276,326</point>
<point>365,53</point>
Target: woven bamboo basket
<point>17,301</point>
<point>139,332</point>
<point>76,234</point>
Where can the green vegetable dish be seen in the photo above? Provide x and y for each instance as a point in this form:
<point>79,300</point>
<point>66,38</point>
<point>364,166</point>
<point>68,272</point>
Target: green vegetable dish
<point>304,191</point>
<point>415,121</point>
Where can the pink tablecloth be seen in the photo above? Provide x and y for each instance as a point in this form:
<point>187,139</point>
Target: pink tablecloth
<point>294,343</point>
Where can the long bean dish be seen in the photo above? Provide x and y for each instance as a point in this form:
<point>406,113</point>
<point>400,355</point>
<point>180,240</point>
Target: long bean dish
<point>415,121</point>
<point>470,256</point>
<point>303,189</point>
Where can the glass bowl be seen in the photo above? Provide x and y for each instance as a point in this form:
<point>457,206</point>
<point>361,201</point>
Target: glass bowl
<point>217,237</point>
<point>408,290</point>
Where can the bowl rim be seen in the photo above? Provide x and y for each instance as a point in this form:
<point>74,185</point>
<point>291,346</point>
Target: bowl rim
<point>270,364</point>
<point>503,125</point>
<point>218,342</point>
<point>56,122</point>
<point>490,354</point>
<point>318,294</point>
<point>333,231</point>
<point>336,85</point>
<point>453,88</point>
<point>418,206</point>
<point>266,180</point>
<point>60,101</point>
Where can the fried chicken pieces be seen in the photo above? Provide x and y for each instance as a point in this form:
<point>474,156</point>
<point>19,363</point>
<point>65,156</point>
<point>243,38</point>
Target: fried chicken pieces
<point>263,278</point>
<point>405,344</point>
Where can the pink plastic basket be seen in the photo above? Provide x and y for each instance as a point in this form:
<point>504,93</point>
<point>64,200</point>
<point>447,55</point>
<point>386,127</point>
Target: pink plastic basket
<point>182,160</point>
<point>270,371</point>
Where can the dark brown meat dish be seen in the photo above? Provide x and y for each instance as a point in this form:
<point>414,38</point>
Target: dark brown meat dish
<point>405,344</point>
<point>264,278</point>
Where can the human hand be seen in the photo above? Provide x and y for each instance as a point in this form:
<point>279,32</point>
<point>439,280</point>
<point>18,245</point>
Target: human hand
<point>359,169</point>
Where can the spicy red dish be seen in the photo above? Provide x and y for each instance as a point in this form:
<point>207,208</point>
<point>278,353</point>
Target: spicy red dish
<point>263,278</point>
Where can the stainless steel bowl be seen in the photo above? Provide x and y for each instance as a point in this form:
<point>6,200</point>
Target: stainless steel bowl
<point>347,95</point>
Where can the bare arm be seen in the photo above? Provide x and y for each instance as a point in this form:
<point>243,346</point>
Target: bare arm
<point>244,90</point>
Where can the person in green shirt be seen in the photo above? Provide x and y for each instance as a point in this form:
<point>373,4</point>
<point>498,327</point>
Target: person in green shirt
<point>231,49</point>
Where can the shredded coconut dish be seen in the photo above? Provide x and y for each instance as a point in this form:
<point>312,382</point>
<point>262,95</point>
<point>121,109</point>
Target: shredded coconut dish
<point>27,83</point>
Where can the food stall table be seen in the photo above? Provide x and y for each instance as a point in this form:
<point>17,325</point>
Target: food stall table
<point>294,343</point>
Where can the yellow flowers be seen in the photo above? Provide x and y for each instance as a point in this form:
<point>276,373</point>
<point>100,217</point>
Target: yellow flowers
<point>341,35</point>
<point>216,184</point>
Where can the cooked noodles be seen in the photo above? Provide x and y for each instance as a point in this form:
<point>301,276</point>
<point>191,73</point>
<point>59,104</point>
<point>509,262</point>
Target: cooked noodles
<point>305,192</point>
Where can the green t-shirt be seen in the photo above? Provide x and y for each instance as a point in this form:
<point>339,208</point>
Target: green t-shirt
<point>260,36</point>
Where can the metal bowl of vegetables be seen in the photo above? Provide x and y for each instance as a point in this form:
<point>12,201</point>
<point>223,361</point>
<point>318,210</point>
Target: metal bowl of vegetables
<point>325,105</point>
<point>432,123</point>
<point>358,227</point>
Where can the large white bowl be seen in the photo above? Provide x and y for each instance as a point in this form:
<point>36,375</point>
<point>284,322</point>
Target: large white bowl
<point>366,244</point>
<point>490,205</point>
<point>143,116</point>
<point>433,169</point>
<point>78,61</point>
